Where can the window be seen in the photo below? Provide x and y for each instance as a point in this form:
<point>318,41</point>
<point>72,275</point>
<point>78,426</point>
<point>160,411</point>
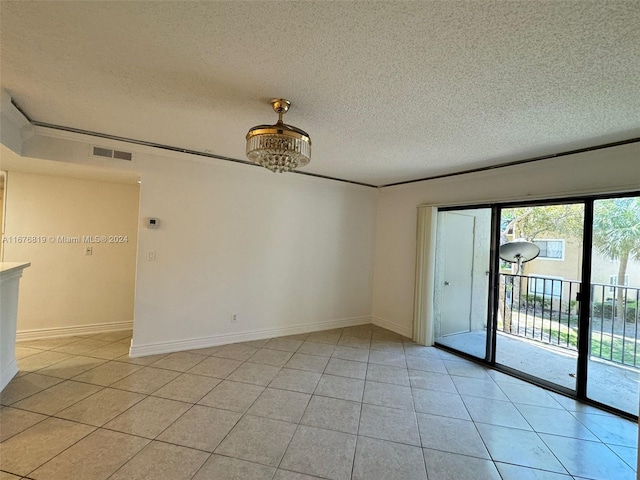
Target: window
<point>547,286</point>
<point>613,280</point>
<point>553,249</point>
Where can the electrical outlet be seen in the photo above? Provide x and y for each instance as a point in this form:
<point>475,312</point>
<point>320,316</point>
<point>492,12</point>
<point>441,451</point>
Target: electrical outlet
<point>234,318</point>
<point>151,255</point>
<point>88,250</point>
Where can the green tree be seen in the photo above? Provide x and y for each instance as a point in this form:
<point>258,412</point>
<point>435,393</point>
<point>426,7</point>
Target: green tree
<point>616,234</point>
<point>531,222</point>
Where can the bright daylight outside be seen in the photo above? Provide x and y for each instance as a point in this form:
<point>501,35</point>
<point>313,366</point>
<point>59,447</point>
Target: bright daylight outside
<point>539,298</point>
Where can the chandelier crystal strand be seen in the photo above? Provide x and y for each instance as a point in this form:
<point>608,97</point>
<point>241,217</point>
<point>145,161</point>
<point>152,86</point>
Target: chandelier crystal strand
<point>280,147</point>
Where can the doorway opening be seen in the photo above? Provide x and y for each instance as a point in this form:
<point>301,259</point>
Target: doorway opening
<point>462,279</point>
<point>85,220</point>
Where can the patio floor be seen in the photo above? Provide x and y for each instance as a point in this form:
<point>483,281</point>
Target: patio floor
<point>609,383</point>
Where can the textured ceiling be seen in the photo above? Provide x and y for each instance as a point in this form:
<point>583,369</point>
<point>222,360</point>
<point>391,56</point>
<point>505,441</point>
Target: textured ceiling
<point>389,91</point>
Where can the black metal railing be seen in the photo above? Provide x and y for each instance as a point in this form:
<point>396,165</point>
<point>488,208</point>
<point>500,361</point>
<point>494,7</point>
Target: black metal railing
<point>614,323</point>
<point>545,310</point>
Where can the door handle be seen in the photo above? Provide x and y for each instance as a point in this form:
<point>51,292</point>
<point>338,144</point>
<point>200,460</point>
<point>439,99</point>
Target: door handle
<point>447,283</point>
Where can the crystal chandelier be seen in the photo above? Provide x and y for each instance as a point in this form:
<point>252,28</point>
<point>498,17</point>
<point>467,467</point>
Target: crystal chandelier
<point>279,147</point>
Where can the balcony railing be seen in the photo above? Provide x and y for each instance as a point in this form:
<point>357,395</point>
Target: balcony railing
<point>545,310</point>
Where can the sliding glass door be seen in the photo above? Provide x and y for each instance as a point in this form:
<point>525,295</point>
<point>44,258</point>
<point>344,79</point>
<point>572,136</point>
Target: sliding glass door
<point>539,284</point>
<point>462,279</point>
<point>614,356</point>
<point>546,290</point>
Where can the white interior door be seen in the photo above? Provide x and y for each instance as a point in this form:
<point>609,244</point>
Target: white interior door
<point>457,275</point>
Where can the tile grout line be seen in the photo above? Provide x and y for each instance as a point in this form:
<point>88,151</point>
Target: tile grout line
<point>246,412</point>
<point>369,363</point>
<point>64,450</point>
<point>415,413</point>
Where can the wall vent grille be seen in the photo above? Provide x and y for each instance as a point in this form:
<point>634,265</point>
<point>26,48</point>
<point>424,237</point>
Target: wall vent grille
<point>122,155</point>
<point>109,153</point>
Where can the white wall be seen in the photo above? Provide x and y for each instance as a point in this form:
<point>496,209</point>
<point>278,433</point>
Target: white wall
<point>286,253</point>
<point>609,170</point>
<point>64,288</point>
<point>277,250</point>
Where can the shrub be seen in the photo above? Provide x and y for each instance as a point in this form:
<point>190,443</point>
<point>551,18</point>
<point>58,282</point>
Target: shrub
<point>536,301</point>
<point>609,310</point>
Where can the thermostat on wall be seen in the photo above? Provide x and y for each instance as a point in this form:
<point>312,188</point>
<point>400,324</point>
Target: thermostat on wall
<point>153,222</point>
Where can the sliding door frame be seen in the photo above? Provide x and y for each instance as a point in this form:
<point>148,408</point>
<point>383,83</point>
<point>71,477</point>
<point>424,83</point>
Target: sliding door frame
<point>488,347</point>
<point>580,392</point>
<point>586,252</point>
<point>584,312</point>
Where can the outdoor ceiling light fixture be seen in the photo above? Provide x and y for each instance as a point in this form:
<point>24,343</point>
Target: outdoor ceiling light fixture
<point>279,147</point>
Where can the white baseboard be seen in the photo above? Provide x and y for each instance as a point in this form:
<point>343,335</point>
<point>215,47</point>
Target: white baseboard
<point>394,327</point>
<point>7,373</point>
<point>215,340</point>
<point>39,333</point>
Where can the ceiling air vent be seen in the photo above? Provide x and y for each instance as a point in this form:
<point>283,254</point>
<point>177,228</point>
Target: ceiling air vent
<point>109,153</point>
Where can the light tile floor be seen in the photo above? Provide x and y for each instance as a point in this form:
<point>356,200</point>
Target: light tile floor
<point>353,403</point>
